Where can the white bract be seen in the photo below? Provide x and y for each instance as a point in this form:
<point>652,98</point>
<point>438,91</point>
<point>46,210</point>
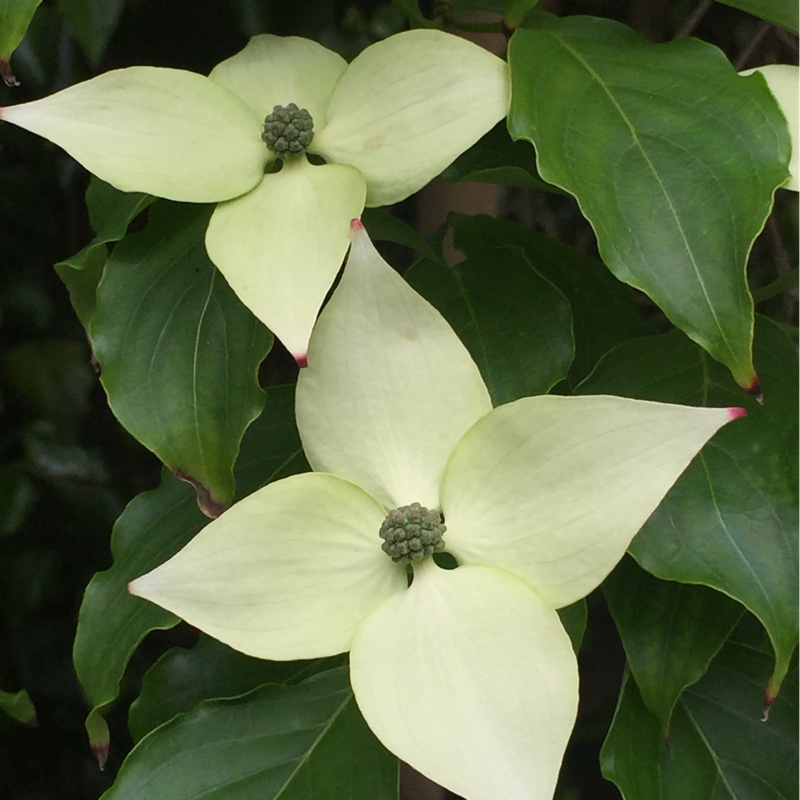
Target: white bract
<point>467,674</point>
<point>385,125</point>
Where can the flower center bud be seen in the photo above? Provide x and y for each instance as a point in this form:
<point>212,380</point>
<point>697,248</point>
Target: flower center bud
<point>288,130</point>
<point>410,533</point>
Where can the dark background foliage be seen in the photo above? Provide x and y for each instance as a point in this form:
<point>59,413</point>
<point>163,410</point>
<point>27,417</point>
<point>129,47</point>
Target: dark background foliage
<point>67,468</point>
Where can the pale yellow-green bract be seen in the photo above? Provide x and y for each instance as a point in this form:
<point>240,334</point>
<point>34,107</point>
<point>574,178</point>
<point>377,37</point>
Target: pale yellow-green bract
<point>385,125</point>
<point>467,674</point>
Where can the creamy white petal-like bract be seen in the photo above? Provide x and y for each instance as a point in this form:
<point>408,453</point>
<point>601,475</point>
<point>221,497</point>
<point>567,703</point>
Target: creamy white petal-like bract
<point>554,488</point>
<point>284,241</point>
<point>389,388</point>
<point>470,677</point>
<point>289,572</point>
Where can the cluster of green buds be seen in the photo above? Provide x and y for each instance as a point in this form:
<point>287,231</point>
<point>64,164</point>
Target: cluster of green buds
<point>288,130</point>
<point>410,533</point>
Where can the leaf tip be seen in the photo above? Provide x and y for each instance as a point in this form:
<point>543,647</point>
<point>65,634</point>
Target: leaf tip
<point>206,502</point>
<point>754,388</point>
<point>101,754</point>
<point>6,73</point>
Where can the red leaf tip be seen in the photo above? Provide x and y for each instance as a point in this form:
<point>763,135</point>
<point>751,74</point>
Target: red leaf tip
<point>356,225</point>
<point>736,413</point>
<point>301,359</point>
<point>101,754</point>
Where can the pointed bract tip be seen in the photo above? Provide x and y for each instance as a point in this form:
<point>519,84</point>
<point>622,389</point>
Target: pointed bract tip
<point>132,589</point>
<point>356,225</point>
<point>736,412</point>
<point>301,359</point>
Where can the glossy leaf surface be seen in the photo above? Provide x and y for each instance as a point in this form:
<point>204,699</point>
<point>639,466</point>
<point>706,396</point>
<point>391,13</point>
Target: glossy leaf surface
<point>673,159</point>
<point>179,352</point>
<point>719,747</point>
<point>670,632</point>
<point>304,742</point>
<point>730,522</point>
<point>515,323</point>
<point>778,11</point>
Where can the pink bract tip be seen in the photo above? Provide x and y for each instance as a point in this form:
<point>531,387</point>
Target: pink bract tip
<point>736,413</point>
<point>754,388</point>
<point>356,225</point>
<point>128,587</point>
<point>301,359</point>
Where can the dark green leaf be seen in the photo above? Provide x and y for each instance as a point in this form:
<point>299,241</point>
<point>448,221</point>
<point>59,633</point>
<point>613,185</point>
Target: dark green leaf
<point>178,351</point>
<point>670,632</point>
<point>730,522</point>
<point>385,227</point>
<point>574,619</point>
<point>15,16</point>
<point>110,212</point>
<point>672,156</point>
<point>181,679</point>
<point>92,24</point>
<point>719,748</point>
<point>303,742</point>
<point>603,309</point>
<point>517,10</point>
<point>781,12</point>
<point>495,158</point>
<point>515,323</point>
<point>153,527</point>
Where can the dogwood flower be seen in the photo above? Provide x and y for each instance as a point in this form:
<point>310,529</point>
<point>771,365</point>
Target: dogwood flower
<point>467,673</point>
<point>385,125</point>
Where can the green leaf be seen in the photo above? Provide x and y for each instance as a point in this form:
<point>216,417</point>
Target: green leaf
<point>574,618</point>
<point>670,632</point>
<point>111,623</point>
<point>672,156</point>
<point>110,212</point>
<point>92,24</point>
<point>515,11</point>
<point>181,679</point>
<point>178,351</point>
<point>603,310</point>
<point>385,227</point>
<point>495,158</point>
<point>15,16</point>
<point>515,323</point>
<point>781,12</point>
<point>18,706</point>
<point>719,747</point>
<point>304,742</point>
<point>730,522</point>
<point>153,527</point>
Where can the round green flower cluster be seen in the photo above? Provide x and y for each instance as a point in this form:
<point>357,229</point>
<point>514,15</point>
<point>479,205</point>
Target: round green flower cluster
<point>288,130</point>
<point>410,533</point>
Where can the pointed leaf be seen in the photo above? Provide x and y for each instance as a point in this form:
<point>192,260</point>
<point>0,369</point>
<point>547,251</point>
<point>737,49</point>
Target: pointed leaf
<point>167,132</point>
<point>731,521</point>
<point>407,106</point>
<point>305,742</point>
<point>515,323</point>
<point>553,489</point>
<point>719,747</point>
<point>389,388</point>
<point>178,352</point>
<point>645,143</point>
<point>18,706</point>
<point>471,679</point>
<point>281,245</point>
<point>670,632</point>
<point>152,528</point>
<point>777,11</point>
<point>181,679</point>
